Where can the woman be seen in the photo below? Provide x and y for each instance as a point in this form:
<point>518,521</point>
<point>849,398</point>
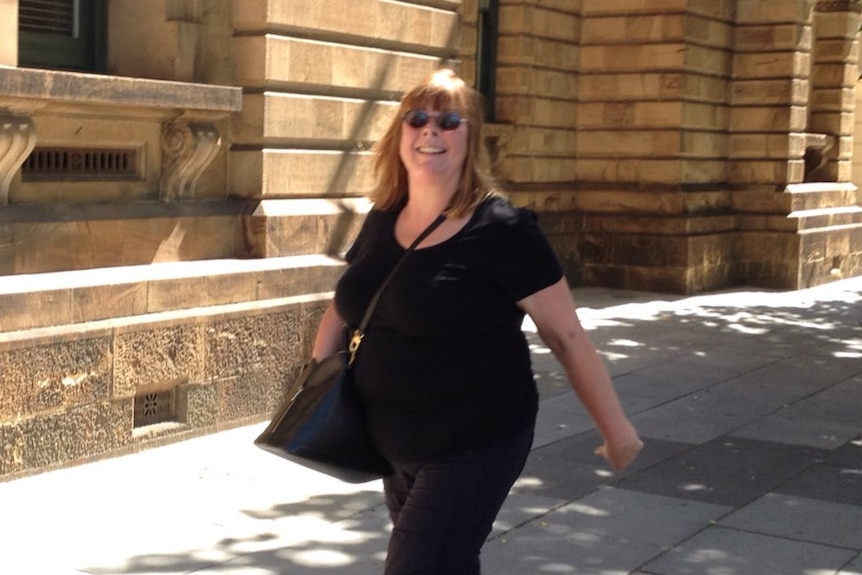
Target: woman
<point>444,367</point>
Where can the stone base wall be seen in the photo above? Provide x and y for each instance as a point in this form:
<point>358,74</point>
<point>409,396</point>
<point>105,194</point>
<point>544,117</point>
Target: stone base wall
<point>213,343</point>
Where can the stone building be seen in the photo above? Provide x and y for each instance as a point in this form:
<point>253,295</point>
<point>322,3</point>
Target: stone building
<point>178,177</point>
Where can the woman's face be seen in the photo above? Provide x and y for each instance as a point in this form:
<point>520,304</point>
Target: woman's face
<point>433,143</point>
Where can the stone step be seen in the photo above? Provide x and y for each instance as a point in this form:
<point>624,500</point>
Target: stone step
<point>821,195</point>
<point>827,217</point>
<point>30,301</point>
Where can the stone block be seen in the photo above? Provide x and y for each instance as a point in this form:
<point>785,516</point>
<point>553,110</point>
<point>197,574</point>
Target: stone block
<point>766,172</point>
<point>655,143</point>
<point>53,371</point>
<point>774,11</point>
<point>199,291</point>
<point>769,119</point>
<point>704,116</point>
<point>89,240</point>
<point>754,65</point>
<point>292,227</point>
<point>152,356</point>
<point>635,29</point>
<point>289,281</point>
<point>372,19</point>
<point>264,345</point>
<point>628,58</point>
<point>530,140</point>
<point>276,173</point>
<point>698,144</point>
<point>245,397</point>
<point>762,146</point>
<point>708,60</point>
<point>600,7</point>
<point>708,30</point>
<point>664,280</point>
<point>834,74</point>
<point>833,100</point>
<point>197,405</point>
<point>784,92</point>
<point>49,307</point>
<point>538,21</point>
<point>272,60</point>
<point>75,434</point>
<point>827,50</point>
<point>654,171</point>
<point>281,119</point>
<point>773,37</point>
<point>514,80</point>
<point>838,24</point>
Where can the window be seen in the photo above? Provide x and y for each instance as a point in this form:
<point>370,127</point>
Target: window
<point>67,34</point>
<point>486,66</point>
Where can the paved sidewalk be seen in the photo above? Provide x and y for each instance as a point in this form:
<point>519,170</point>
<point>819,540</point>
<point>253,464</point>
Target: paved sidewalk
<point>750,403</point>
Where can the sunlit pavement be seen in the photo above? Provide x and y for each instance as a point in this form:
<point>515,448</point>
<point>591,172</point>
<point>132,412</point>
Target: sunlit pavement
<point>750,402</point>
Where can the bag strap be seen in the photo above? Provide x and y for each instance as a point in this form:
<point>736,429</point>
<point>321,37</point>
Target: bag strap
<point>359,333</point>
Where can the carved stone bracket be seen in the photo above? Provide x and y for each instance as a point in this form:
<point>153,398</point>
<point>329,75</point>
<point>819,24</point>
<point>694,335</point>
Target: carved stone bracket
<point>17,139</point>
<point>188,148</point>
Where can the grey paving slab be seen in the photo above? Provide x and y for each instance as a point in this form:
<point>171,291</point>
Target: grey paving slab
<point>523,506</point>
<point>671,379</point>
<point>754,456</point>
<point>708,482</point>
<point>552,545</point>
<point>568,469</point>
<point>746,358</point>
<point>560,417</point>
<point>853,568</point>
<point>684,420</point>
<point>848,455</point>
<point>643,517</point>
<point>722,551</point>
<point>790,427</point>
<point>826,482</point>
<point>801,519</point>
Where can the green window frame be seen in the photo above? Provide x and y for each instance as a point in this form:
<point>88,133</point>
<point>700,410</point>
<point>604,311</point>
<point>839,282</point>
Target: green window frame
<point>486,64</point>
<point>64,34</point>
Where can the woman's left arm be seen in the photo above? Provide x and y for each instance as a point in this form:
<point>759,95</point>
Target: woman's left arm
<point>553,311</point>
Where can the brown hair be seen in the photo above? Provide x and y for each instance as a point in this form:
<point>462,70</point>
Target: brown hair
<point>442,90</point>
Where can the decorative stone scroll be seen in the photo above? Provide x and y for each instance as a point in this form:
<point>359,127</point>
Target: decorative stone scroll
<point>17,139</point>
<point>188,148</point>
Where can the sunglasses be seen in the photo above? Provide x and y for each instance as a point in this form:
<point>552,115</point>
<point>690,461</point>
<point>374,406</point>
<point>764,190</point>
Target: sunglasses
<point>446,121</point>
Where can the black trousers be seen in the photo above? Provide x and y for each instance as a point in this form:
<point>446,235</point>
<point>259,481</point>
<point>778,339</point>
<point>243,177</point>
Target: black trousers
<point>442,511</point>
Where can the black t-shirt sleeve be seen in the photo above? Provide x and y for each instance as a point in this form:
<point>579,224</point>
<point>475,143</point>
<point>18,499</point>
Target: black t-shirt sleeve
<point>527,262</point>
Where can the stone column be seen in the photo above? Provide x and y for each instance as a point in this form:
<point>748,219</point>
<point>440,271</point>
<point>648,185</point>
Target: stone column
<point>833,77</point>
<point>769,94</point>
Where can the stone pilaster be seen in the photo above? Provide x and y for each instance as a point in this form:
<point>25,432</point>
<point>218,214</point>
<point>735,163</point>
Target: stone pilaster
<point>834,74</point>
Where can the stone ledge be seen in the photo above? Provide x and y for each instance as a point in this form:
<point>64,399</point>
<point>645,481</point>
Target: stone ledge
<point>55,299</point>
<point>28,90</point>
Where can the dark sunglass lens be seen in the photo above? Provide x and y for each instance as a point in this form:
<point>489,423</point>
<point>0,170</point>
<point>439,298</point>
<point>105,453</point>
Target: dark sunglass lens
<point>449,121</point>
<point>416,118</point>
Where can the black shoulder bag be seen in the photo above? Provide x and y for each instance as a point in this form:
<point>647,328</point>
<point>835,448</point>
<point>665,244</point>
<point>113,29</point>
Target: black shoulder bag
<point>322,426</point>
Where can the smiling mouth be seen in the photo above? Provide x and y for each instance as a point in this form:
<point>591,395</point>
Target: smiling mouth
<point>430,150</point>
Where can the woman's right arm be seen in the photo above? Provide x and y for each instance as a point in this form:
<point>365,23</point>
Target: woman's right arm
<point>329,334</point>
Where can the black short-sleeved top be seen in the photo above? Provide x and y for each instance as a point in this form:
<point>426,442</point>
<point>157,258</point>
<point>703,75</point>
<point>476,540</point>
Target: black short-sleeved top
<point>444,364</point>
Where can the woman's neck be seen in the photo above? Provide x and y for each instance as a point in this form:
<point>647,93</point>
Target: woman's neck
<point>428,199</point>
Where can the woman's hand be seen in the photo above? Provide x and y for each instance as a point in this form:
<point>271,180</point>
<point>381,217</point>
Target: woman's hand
<point>620,454</point>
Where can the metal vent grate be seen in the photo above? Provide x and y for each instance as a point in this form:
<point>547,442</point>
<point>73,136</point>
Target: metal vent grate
<point>56,164</point>
<point>156,407</point>
<point>55,17</point>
